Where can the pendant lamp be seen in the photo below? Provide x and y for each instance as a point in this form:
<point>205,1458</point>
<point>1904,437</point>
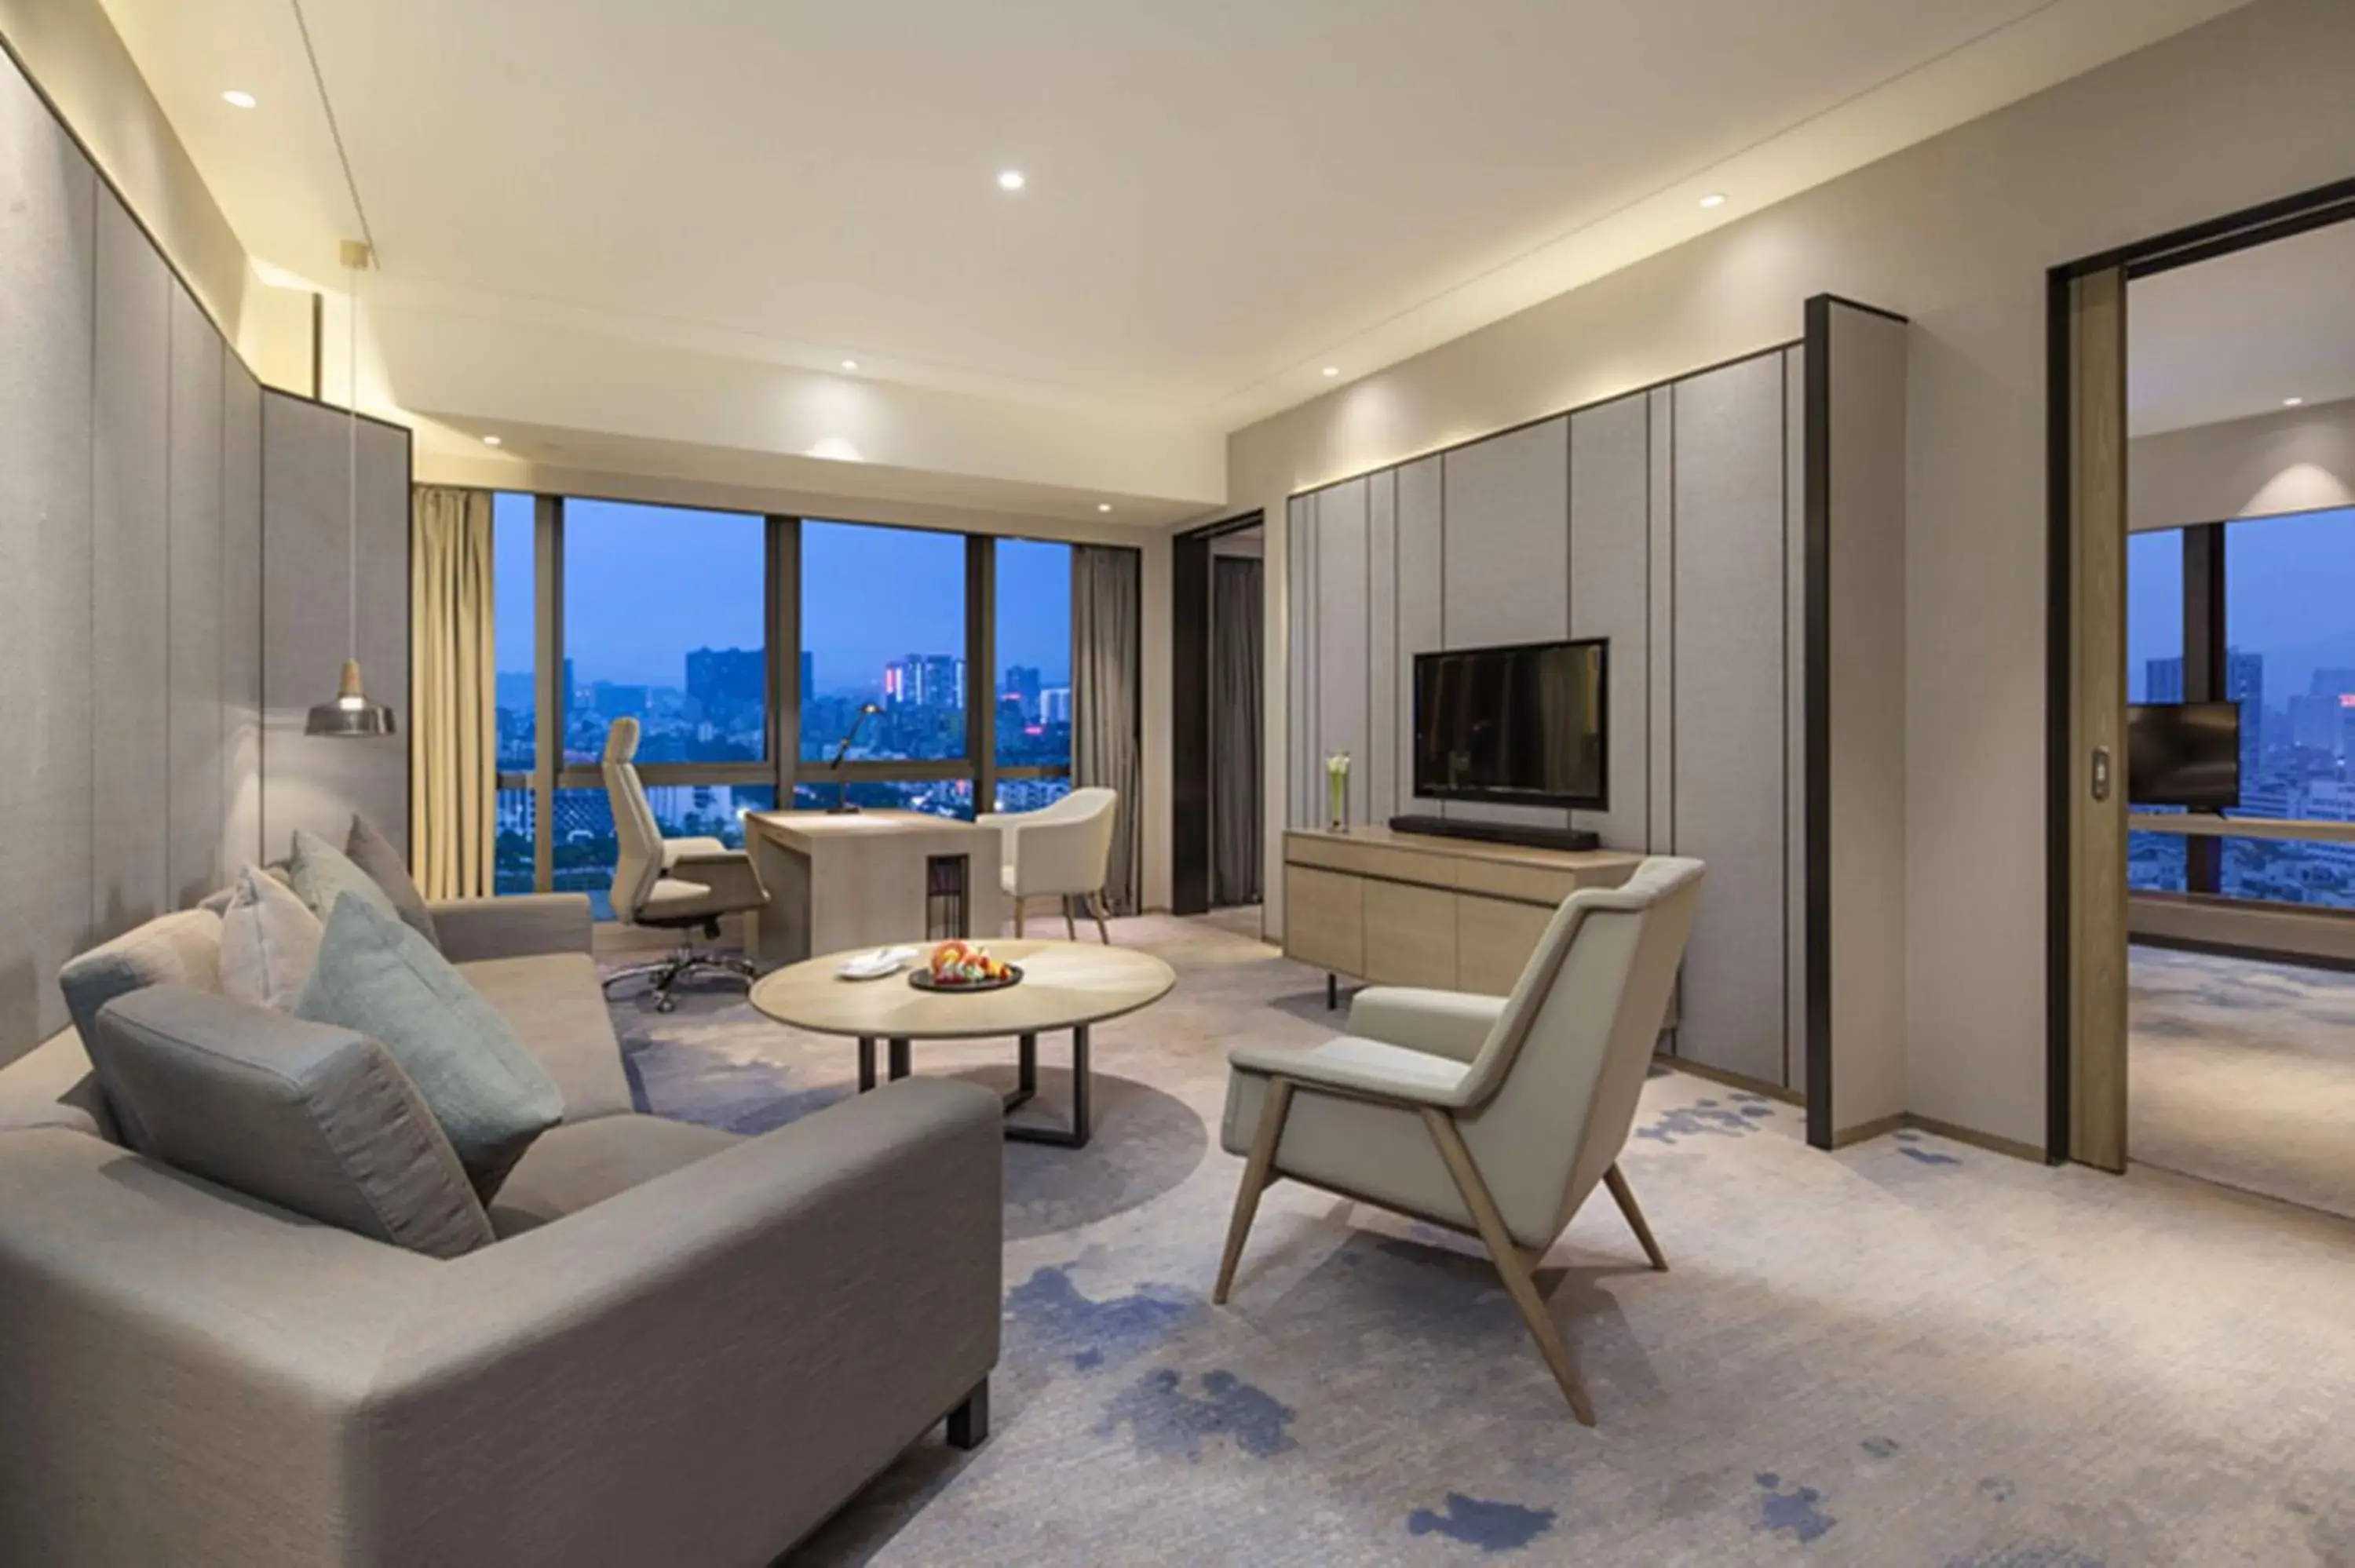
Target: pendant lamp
<point>351,714</point>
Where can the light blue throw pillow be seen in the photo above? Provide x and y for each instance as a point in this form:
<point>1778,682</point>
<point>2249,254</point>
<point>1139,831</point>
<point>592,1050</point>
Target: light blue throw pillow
<point>380,978</point>
<point>322,874</point>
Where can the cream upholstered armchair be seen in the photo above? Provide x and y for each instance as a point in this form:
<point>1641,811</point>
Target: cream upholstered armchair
<point>1493,1116</point>
<point>1059,852</point>
<point>671,884</point>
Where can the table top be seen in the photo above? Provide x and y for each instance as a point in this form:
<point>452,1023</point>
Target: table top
<point>816,827</point>
<point>1064,985</point>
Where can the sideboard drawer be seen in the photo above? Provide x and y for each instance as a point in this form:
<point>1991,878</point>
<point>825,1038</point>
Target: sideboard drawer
<point>1324,919</point>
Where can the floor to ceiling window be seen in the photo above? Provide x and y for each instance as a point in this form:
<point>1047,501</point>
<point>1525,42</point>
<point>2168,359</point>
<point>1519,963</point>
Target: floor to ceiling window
<point>2155,862</point>
<point>673,617</point>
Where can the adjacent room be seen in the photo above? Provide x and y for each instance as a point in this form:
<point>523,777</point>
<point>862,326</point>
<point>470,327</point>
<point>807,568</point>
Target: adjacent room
<point>1208,783</point>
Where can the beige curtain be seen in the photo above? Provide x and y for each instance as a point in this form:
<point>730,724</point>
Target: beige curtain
<point>454,726</point>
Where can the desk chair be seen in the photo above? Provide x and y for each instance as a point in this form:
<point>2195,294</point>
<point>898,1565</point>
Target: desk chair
<point>1494,1115</point>
<point>671,884</point>
<point>1059,851</point>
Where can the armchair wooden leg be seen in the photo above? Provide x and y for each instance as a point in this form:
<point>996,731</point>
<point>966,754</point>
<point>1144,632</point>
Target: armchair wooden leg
<point>1017,918</point>
<point>1096,908</point>
<point>1626,1198</point>
<point>1071,926</point>
<point>1508,1257</point>
<point>1257,1175</point>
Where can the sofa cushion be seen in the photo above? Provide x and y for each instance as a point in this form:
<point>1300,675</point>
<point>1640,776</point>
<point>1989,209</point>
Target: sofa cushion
<point>171,950</point>
<point>314,1119</point>
<point>556,1005</point>
<point>373,852</point>
<point>52,1086</point>
<point>580,1163</point>
<point>270,941</point>
<point>323,873</point>
<point>381,978</point>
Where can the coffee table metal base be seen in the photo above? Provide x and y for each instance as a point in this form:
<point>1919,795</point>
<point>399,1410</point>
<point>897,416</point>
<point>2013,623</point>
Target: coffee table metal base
<point>1026,1086</point>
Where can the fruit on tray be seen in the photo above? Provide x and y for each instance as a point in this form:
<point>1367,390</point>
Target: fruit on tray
<point>963,963</point>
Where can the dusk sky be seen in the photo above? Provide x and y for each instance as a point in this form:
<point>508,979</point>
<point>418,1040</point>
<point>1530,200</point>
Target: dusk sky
<point>645,584</point>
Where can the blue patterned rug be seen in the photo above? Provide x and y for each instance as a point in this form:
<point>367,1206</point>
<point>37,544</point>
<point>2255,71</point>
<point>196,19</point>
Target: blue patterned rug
<point>1910,1352</point>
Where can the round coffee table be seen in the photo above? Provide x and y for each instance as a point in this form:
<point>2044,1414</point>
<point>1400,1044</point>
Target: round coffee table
<point>1065,985</point>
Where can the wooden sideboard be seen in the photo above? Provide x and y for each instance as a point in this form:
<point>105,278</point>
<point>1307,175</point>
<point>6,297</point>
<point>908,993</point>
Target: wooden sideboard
<point>1411,909</point>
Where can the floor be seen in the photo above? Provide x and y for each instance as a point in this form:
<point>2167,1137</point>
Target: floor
<point>1908,1352</point>
<point>2243,1073</point>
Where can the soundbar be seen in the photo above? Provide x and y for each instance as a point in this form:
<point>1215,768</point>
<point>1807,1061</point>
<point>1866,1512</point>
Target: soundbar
<point>1529,835</point>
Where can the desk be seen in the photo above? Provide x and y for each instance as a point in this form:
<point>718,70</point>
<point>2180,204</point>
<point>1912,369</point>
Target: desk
<point>2209,825</point>
<point>861,880</point>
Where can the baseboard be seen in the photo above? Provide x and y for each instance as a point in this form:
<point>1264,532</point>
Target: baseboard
<point>1865,1132</point>
<point>1731,1080</point>
<point>1985,1141</point>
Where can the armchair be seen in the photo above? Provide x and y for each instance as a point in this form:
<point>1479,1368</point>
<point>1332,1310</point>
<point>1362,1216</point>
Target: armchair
<point>672,885</point>
<point>1060,851</point>
<point>1494,1117</point>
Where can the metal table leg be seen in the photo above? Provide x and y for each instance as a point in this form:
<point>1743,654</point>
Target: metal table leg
<point>866,1063</point>
<point>1076,1135</point>
<point>1026,1073</point>
<point>902,1061</point>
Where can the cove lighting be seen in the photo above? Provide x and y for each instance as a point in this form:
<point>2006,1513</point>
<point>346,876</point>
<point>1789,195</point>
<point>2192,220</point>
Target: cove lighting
<point>1010,180</point>
<point>236,98</point>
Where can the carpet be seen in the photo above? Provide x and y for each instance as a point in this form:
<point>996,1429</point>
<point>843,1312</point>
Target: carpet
<point>2243,1073</point>
<point>1908,1352</point>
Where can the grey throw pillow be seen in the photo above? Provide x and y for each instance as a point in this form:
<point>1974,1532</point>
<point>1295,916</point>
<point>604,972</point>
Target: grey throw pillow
<point>381,978</point>
<point>323,873</point>
<point>312,1119</point>
<point>270,941</point>
<point>373,852</point>
<point>182,948</point>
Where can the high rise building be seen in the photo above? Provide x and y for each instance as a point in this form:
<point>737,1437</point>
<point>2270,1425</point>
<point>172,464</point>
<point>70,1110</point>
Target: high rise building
<point>932,680</point>
<point>809,674</point>
<point>725,678</point>
<point>1055,705</point>
<point>2162,680</point>
<point>1022,683</point>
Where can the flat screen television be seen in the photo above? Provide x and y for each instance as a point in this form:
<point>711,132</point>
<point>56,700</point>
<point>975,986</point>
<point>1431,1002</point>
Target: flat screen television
<point>1524,724</point>
<point>2184,754</point>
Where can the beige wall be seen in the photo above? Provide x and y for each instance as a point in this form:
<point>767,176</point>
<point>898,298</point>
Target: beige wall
<point>2299,460</point>
<point>72,52</point>
<point>1957,233</point>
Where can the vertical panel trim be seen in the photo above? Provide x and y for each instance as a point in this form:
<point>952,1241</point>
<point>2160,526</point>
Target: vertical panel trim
<point>1817,565</point>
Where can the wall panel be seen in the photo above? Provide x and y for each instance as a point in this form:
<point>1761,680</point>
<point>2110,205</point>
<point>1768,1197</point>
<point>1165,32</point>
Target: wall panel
<point>1379,767</point>
<point>47,218</point>
<point>131,561</point>
<point>1422,611</point>
<point>1729,709</point>
<point>192,794</point>
<point>1300,715</point>
<point>1794,722</point>
<point>241,616</point>
<point>1610,582</point>
<point>318,784</point>
<point>1343,643</point>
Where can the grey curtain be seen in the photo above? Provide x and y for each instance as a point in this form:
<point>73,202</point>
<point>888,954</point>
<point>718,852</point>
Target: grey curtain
<point>1236,771</point>
<point>1107,652</point>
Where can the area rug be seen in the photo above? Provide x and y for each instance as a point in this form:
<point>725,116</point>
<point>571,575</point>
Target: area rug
<point>1909,1352</point>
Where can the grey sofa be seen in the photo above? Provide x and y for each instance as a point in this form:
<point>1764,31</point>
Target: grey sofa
<point>686,1348</point>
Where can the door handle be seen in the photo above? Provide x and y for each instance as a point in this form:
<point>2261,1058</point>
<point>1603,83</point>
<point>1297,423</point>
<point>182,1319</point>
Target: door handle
<point>2101,773</point>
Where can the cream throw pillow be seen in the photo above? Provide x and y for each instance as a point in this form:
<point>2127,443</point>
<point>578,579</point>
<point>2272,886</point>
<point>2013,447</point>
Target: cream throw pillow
<point>269,941</point>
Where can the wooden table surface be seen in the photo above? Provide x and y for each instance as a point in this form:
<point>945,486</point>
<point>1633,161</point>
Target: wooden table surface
<point>1065,985</point>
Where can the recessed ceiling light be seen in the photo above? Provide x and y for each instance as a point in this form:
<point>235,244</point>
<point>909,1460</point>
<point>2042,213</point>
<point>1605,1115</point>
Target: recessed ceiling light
<point>1714,198</point>
<point>1103,506</point>
<point>492,441</point>
<point>850,365</point>
<point>2292,402</point>
<point>1010,180</point>
<point>1332,370</point>
<point>237,99</point>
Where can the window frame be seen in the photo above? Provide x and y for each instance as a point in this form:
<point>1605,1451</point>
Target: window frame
<point>784,768</point>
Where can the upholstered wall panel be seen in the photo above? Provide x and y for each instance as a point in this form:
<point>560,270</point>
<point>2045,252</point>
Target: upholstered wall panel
<point>1794,722</point>
<point>130,557</point>
<point>240,616</point>
<point>1610,578</point>
<point>1342,644</point>
<point>306,782</point>
<point>1379,766</point>
<point>1507,562</point>
<point>1421,612</point>
<point>1300,716</point>
<point>1729,709</point>
<point>48,197</point>
<point>1660,743</point>
<point>192,794</point>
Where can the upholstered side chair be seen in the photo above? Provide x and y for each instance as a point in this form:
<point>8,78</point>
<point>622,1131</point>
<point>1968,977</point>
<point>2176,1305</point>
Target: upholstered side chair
<point>683,885</point>
<point>1491,1116</point>
<point>1061,851</point>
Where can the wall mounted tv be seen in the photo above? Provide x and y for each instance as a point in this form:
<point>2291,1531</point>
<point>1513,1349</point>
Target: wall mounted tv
<point>2184,754</point>
<point>1524,724</point>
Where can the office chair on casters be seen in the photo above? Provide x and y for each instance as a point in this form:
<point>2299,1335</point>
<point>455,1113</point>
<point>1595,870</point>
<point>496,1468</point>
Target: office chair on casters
<point>671,884</point>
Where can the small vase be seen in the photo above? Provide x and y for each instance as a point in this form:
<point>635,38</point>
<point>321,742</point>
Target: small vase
<point>1338,784</point>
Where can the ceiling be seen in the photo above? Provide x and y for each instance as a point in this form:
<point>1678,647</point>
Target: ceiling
<point>2233,338</point>
<point>1224,197</point>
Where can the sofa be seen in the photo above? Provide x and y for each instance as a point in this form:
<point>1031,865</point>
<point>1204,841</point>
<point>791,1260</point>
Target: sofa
<point>684,1348</point>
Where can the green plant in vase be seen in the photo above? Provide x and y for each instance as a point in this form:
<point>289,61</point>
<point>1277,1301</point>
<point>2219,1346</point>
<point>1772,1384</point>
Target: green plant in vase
<point>1337,787</point>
